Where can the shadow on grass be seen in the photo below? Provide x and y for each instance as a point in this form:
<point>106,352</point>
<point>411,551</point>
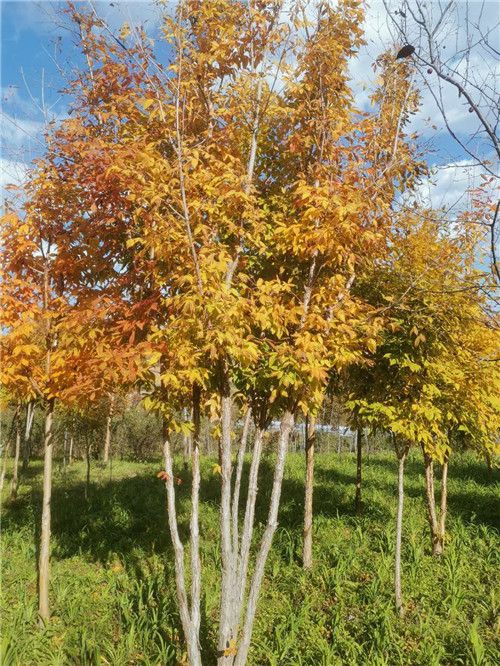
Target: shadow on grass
<point>123,514</point>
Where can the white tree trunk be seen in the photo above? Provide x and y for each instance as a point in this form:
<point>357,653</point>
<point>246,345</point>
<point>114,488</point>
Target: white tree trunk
<point>194,522</point>
<point>180,580</point>
<point>228,563</point>
<point>309,489</point>
<point>272,524</point>
<point>359,469</point>
<point>15,471</point>
<point>44,556</point>
<point>247,531</point>
<point>30,414</point>
<point>109,421</point>
<point>399,530</point>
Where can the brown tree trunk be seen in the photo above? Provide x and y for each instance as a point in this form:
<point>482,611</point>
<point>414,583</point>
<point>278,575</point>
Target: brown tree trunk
<point>359,461</point>
<point>44,557</point>
<point>109,421</point>
<point>309,489</point>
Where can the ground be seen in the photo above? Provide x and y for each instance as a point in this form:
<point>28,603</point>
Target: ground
<point>112,591</point>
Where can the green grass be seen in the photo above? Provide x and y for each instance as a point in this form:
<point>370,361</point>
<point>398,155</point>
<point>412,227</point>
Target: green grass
<point>112,591</point>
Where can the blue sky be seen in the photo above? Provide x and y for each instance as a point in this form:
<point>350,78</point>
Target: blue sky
<point>37,53</point>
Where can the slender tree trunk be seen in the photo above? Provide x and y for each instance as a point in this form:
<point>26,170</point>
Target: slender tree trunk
<point>87,457</point>
<point>444,502</point>
<point>109,422</point>
<point>228,563</point>
<point>44,556</point>
<point>272,524</point>
<point>237,483</point>
<point>70,453</point>
<point>309,489</point>
<point>489,465</point>
<point>15,472</point>
<point>190,635</point>
<point>30,414</point>
<point>437,523</point>
<point>359,463</point>
<point>247,532</point>
<point>402,453</point>
<point>194,522</point>
<point>6,447</point>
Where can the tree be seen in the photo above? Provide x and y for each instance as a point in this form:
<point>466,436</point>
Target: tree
<point>418,384</point>
<point>216,223</point>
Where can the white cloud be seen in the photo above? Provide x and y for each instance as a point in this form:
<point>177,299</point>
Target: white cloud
<point>17,132</point>
<point>449,185</point>
<point>12,172</point>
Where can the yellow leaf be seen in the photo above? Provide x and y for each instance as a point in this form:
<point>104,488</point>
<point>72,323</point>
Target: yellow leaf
<point>217,469</point>
<point>231,649</point>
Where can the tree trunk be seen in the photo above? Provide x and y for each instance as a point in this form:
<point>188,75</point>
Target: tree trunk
<point>15,472</point>
<point>194,522</point>
<point>437,523</point>
<point>272,524</point>
<point>6,447</point>
<point>190,635</point>
<point>444,502</point>
<point>87,457</point>
<point>402,453</point>
<point>70,454</point>
<point>228,559</point>
<point>309,488</point>
<point>109,421</point>
<point>44,557</point>
<point>359,462</point>
<point>243,555</point>
<point>30,414</point>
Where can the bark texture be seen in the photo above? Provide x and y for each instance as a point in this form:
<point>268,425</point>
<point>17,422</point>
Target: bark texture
<point>359,469</point>
<point>44,556</point>
<point>437,520</point>
<point>309,489</point>
<point>109,422</point>
<point>17,451</point>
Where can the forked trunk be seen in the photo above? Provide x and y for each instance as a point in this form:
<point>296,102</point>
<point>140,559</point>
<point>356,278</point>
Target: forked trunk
<point>359,463</point>
<point>437,522</point>
<point>44,556</point>
<point>402,452</point>
<point>242,554</point>
<point>109,422</point>
<point>265,546</point>
<point>309,488</point>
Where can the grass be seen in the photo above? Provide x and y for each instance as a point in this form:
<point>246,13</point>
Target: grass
<point>112,591</point>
